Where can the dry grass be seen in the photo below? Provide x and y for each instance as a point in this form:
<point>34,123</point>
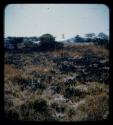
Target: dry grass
<point>81,49</point>
<point>39,69</point>
<point>12,72</point>
<point>22,103</point>
<point>96,107</point>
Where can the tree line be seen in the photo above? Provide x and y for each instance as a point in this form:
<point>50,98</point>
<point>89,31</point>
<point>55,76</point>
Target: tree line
<point>101,39</point>
<point>47,41</point>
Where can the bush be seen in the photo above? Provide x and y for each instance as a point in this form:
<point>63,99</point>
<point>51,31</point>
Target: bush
<point>71,112</point>
<point>40,105</point>
<point>34,84</point>
<point>12,114</point>
<point>32,107</point>
<point>71,91</point>
<point>57,89</point>
<point>58,107</point>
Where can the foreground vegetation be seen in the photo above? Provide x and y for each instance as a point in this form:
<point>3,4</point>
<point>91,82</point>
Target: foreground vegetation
<point>62,85</point>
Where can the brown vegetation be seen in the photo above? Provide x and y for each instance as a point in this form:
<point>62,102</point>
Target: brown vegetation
<point>74,93</point>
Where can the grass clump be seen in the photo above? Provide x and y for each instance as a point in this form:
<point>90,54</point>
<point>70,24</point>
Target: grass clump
<point>71,112</point>
<point>58,107</point>
<point>96,107</point>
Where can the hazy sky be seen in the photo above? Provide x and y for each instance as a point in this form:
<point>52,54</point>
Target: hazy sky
<point>56,19</point>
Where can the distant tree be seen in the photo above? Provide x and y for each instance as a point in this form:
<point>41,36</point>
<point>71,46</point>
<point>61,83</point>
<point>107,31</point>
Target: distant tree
<point>34,38</point>
<point>90,37</point>
<point>47,38</point>
<point>47,41</point>
<point>102,40</point>
<point>28,44</point>
<point>103,36</point>
<point>78,38</point>
<point>15,41</point>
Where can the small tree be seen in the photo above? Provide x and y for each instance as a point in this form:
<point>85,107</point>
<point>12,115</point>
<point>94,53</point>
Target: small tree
<point>47,41</point>
<point>78,38</point>
<point>90,37</point>
<point>102,40</point>
<point>103,36</point>
<point>47,38</point>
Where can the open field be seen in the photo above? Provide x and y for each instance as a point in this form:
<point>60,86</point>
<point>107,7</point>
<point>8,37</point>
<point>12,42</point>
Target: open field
<point>68,85</point>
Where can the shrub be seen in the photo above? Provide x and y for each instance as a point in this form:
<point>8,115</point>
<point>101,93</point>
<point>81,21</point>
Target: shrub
<point>71,112</point>
<point>57,88</point>
<point>34,84</point>
<point>12,114</point>
<point>40,105</point>
<point>71,91</point>
<point>58,107</point>
<point>32,107</point>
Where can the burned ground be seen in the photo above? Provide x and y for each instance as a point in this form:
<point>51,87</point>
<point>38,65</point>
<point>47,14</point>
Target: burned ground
<point>56,86</point>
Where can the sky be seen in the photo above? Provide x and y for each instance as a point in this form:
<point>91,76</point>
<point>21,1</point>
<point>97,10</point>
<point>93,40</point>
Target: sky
<point>56,19</point>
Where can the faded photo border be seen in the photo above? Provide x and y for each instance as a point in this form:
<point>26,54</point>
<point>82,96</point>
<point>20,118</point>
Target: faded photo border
<point>2,7</point>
